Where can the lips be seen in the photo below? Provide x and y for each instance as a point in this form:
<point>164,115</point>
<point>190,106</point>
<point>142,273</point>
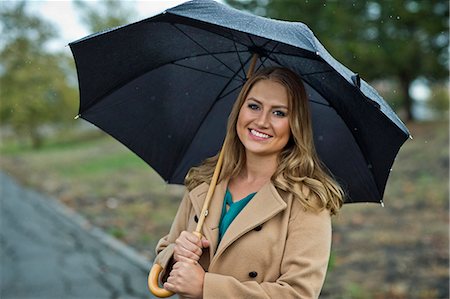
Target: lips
<point>259,134</point>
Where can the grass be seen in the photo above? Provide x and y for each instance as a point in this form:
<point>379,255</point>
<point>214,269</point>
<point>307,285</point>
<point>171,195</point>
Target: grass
<point>400,251</point>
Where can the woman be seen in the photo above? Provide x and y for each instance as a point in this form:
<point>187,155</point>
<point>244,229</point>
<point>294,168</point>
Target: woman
<point>268,231</point>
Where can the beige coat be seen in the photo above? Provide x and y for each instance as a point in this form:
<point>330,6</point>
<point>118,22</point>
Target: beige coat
<point>272,249</point>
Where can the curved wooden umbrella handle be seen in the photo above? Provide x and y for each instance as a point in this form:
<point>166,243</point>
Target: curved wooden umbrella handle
<point>153,285</point>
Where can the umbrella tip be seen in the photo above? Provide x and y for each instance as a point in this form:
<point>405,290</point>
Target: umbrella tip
<point>77,116</point>
<point>411,137</point>
<point>382,203</point>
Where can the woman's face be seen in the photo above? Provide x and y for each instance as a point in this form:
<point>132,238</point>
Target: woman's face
<point>263,121</point>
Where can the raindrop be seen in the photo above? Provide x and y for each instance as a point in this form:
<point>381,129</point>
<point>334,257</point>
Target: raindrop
<point>355,129</point>
<point>426,141</point>
<point>390,17</point>
<point>186,93</point>
<point>169,136</point>
<point>390,170</point>
<point>398,17</point>
<point>369,166</point>
<point>320,138</point>
<point>324,4</point>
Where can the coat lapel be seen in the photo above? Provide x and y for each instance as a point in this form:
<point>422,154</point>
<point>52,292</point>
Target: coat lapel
<point>210,227</point>
<point>266,204</point>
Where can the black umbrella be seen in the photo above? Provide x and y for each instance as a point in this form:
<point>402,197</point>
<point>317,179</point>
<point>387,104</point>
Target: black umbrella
<point>164,86</point>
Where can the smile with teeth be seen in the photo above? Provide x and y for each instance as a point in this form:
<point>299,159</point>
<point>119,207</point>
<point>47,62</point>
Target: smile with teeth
<point>259,134</point>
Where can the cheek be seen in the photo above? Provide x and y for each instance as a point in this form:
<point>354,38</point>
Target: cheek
<point>240,124</point>
<point>284,130</point>
<point>242,119</point>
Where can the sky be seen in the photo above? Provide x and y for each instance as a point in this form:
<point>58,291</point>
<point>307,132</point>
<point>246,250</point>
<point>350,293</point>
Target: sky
<point>63,14</point>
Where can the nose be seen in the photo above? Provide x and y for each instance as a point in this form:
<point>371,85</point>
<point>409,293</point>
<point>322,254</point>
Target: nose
<point>263,120</point>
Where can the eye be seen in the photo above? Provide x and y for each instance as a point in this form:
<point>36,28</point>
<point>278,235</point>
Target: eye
<point>253,106</point>
<point>279,113</point>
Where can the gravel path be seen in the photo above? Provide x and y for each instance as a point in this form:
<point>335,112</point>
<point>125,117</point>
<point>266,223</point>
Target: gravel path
<point>48,252</point>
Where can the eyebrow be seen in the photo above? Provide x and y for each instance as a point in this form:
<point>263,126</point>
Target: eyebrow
<point>259,102</point>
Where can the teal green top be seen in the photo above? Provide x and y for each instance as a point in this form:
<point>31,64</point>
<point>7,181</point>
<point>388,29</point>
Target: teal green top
<point>234,209</point>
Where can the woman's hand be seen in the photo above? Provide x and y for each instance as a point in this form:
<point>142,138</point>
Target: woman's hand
<point>189,246</point>
<point>186,279</point>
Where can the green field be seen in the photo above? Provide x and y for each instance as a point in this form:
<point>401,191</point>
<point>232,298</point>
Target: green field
<point>400,251</point>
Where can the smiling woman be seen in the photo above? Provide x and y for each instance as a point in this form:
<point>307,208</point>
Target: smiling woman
<point>272,192</point>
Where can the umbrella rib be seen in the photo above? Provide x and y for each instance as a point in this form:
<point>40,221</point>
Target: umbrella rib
<point>199,70</point>
<point>231,79</point>
<point>210,53</point>
<point>229,92</point>
<point>237,53</point>
<point>303,74</point>
<point>270,53</point>
<point>219,96</point>
<point>293,55</point>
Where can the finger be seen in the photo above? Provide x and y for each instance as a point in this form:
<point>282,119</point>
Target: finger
<point>189,247</point>
<point>185,261</point>
<point>170,287</point>
<point>191,237</point>
<point>186,253</point>
<point>205,243</point>
<point>188,240</point>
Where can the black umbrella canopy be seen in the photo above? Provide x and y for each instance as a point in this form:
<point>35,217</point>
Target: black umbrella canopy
<point>164,87</point>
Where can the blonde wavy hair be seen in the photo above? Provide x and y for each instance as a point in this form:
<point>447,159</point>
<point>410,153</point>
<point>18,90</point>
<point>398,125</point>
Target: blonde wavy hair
<point>300,171</point>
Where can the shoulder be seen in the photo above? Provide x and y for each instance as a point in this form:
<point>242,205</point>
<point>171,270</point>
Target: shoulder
<point>198,190</point>
<point>314,213</point>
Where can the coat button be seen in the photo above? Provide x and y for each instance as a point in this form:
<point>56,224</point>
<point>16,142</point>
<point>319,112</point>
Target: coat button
<point>196,218</point>
<point>258,228</point>
<point>253,274</point>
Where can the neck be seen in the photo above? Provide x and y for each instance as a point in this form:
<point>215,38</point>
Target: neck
<point>259,168</point>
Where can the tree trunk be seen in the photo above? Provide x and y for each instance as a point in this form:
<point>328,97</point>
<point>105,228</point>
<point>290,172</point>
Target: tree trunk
<point>36,139</point>
<point>405,84</point>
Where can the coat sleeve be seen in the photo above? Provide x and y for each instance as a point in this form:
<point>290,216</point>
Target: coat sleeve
<point>165,246</point>
<point>303,267</point>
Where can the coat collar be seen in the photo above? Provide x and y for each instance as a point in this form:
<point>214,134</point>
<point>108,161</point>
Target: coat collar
<point>265,204</point>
